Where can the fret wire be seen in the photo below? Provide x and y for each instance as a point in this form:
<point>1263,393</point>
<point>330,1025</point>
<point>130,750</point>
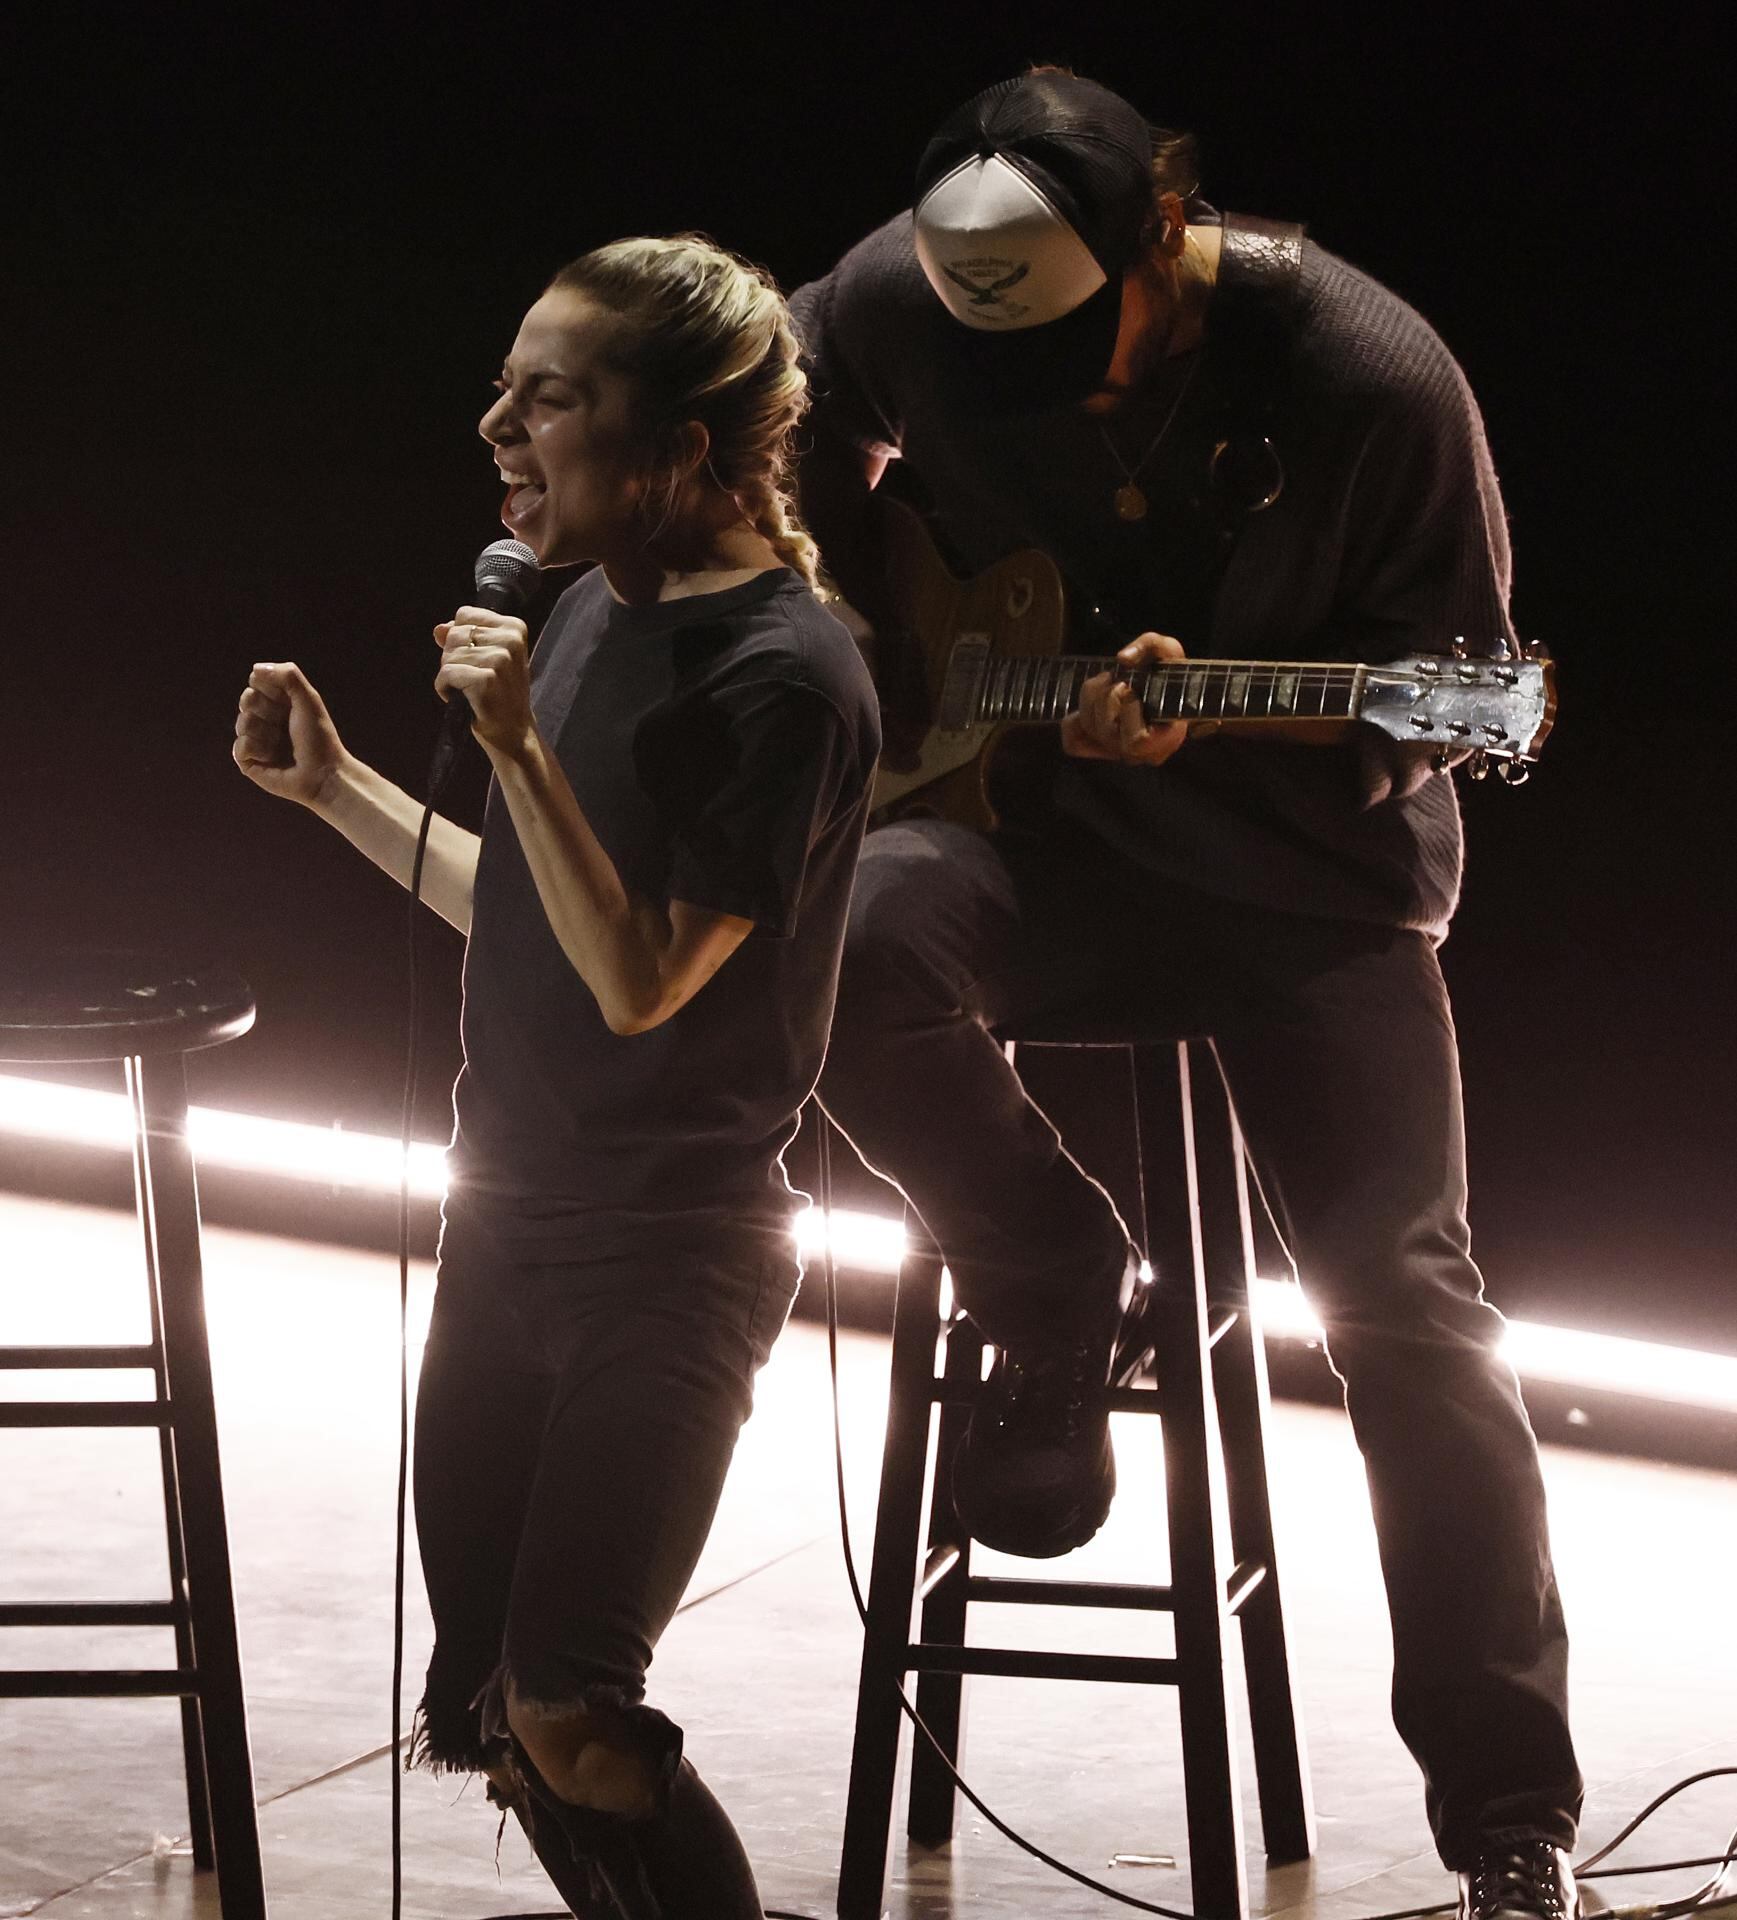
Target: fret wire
<point>1047,688</point>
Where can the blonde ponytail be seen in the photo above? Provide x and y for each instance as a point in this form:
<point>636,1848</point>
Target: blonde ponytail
<point>707,337</point>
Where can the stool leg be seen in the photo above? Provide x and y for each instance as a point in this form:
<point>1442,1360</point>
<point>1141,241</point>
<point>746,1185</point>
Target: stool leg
<point>868,1817</point>
<point>1239,1376</point>
<point>192,1738</point>
<point>160,1092</point>
<point>941,1697</point>
<point>1194,1483</point>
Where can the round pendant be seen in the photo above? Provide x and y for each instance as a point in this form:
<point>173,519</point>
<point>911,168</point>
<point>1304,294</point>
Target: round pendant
<point>1130,503</point>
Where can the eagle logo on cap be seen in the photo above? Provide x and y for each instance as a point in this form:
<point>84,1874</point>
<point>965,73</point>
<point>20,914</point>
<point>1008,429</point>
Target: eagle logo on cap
<point>991,294</point>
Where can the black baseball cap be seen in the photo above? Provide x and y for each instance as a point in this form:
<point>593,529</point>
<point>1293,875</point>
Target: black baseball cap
<point>1032,202</point>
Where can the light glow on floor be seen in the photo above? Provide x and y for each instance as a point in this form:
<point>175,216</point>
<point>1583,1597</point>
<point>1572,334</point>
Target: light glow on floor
<point>342,1161</point>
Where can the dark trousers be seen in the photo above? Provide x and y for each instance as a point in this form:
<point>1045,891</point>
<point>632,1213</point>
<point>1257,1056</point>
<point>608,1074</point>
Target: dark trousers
<point>574,1425</point>
<point>1338,1047</point>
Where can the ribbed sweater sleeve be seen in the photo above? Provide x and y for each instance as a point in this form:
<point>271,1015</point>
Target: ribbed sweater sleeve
<point>1425,560</point>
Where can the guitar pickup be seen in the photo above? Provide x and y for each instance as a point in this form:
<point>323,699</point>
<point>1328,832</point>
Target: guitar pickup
<point>960,705</point>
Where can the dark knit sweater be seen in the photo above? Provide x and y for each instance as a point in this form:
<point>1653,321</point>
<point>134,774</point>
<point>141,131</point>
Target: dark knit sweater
<point>1388,539</point>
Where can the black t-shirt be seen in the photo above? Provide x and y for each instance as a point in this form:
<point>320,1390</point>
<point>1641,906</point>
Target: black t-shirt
<point>721,748</point>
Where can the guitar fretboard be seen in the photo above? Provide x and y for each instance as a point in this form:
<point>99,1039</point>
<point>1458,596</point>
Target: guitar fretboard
<point>1047,687</point>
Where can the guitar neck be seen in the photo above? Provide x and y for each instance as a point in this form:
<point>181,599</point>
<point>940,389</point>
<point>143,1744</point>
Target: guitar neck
<point>1047,688</point>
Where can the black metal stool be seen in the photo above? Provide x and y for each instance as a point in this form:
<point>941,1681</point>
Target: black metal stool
<point>134,1009</point>
<point>1211,1394</point>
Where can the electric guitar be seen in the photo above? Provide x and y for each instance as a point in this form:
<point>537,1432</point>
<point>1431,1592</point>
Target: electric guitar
<point>992,660</point>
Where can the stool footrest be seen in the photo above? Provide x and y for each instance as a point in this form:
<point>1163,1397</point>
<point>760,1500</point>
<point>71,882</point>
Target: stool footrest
<point>90,1613</point>
<point>26,1359</point>
<point>1067,1593</point>
<point>1025,1663</point>
<point>85,1413</point>
<point>45,1683</point>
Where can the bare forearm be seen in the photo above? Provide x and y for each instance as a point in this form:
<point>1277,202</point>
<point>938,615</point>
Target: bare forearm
<point>382,821</point>
<point>618,942</point>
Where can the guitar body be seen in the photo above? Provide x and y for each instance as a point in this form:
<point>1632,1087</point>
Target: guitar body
<point>1014,609</point>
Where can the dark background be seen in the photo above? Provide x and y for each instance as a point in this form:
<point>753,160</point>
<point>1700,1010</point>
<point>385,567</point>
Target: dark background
<point>267,270</point>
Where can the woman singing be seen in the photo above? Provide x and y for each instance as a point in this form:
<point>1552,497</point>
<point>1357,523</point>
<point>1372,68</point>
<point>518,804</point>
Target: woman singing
<point>653,911</point>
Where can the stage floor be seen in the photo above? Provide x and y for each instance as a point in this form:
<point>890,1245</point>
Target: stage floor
<point>760,1667</point>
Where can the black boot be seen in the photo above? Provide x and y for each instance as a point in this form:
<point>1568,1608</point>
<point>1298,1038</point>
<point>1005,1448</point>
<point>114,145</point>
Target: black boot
<point>1034,1474</point>
<point>1518,1876</point>
<point>574,1877</point>
<point>693,1857</point>
<point>686,1862</point>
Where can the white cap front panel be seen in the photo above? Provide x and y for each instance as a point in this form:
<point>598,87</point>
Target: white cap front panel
<point>1000,255</point>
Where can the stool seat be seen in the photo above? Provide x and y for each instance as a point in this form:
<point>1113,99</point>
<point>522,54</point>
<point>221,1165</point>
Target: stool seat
<point>119,1005</point>
<point>1095,1024</point>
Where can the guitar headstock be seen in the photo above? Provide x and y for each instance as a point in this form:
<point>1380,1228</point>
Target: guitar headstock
<point>1498,707</point>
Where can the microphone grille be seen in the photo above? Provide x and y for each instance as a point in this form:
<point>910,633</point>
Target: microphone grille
<point>507,565</point>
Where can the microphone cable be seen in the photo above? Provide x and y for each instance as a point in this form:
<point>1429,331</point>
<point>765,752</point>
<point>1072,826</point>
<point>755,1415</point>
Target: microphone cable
<point>407,1114</point>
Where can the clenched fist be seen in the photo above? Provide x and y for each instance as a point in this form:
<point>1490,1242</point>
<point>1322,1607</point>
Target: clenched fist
<point>284,738</point>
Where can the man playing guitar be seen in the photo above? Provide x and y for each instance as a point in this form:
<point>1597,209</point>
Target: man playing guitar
<point>1238,446</point>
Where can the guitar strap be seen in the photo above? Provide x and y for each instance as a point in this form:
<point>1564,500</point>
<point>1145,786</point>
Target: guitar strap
<point>1251,340</point>
<point>1229,464</point>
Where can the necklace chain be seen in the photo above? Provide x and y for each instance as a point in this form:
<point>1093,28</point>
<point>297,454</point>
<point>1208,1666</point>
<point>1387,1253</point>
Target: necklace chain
<point>1130,499</point>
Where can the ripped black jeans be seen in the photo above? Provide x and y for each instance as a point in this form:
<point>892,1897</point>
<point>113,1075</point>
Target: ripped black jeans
<point>574,1425</point>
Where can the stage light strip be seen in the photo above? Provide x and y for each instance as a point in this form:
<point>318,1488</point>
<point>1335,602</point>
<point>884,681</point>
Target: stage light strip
<point>863,1242</point>
<point>243,1142</point>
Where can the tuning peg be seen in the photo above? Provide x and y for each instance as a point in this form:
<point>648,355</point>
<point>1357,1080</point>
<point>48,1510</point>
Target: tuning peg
<point>1536,650</point>
<point>1515,773</point>
<point>1459,646</point>
<point>1478,765</point>
<point>1500,650</point>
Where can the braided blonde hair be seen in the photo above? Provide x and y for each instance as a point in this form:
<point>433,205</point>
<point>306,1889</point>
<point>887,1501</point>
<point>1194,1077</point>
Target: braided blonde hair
<point>707,337</point>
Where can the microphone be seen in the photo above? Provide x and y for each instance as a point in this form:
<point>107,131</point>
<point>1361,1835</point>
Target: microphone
<point>506,576</point>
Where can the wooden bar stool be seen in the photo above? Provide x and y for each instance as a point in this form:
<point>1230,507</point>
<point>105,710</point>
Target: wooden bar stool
<point>1211,1396</point>
<point>139,1012</point>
